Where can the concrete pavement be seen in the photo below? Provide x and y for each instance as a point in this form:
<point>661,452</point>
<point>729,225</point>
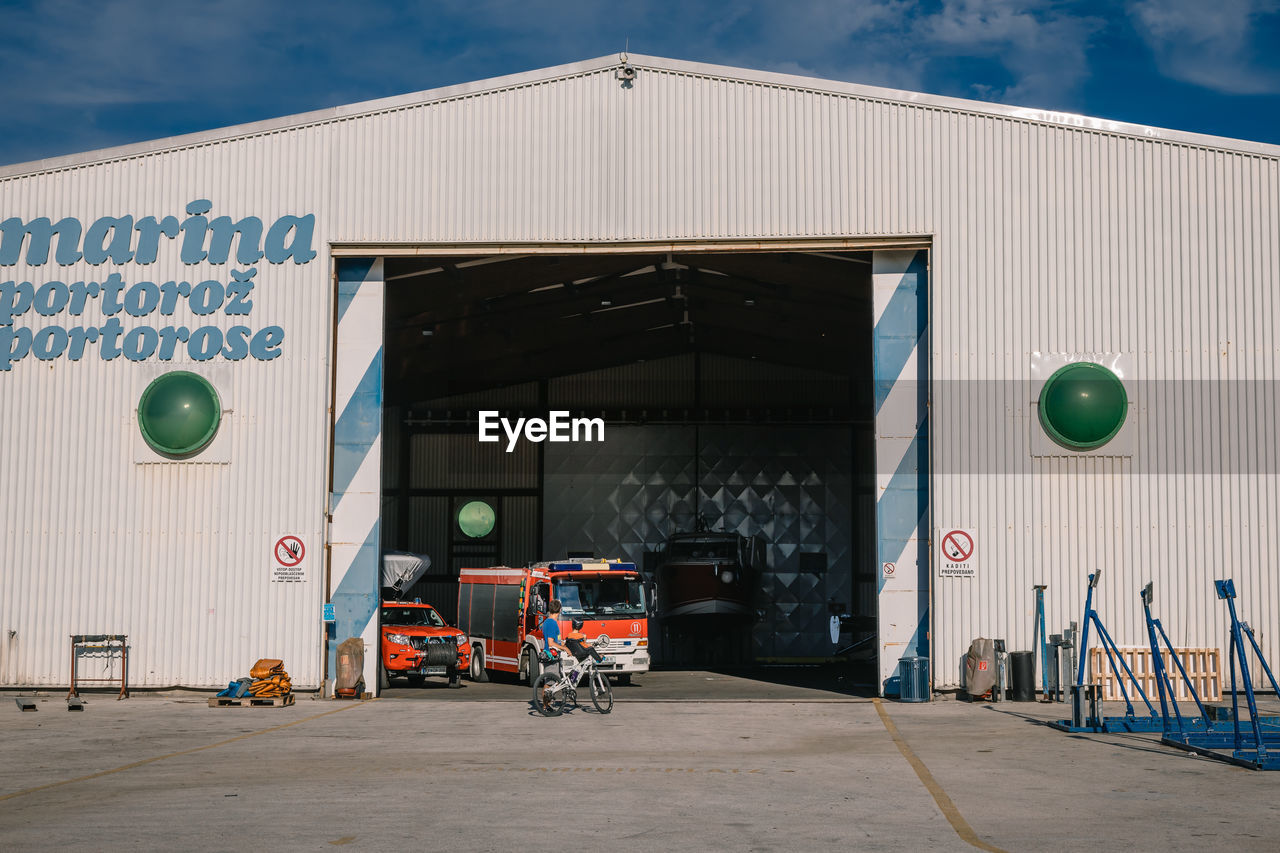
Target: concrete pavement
<point>154,773</point>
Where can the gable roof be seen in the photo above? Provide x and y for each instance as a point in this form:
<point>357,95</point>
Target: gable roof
<point>675,66</point>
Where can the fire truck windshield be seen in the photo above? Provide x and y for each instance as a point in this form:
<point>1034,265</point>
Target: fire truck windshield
<point>600,598</point>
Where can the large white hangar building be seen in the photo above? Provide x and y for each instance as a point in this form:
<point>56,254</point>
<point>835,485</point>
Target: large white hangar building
<point>830,315</point>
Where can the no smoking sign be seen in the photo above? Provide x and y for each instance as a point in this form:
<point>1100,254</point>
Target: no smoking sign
<point>957,548</point>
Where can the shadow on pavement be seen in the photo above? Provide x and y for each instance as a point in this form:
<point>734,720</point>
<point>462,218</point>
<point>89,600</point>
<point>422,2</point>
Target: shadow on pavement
<point>836,679</point>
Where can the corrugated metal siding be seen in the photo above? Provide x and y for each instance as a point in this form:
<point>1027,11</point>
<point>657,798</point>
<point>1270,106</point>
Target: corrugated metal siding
<point>735,382</point>
<point>669,382</point>
<point>458,461</point>
<point>1046,238</point>
<point>511,397</point>
<point>428,530</point>
<point>1105,244</point>
<point>520,531</point>
<point>177,556</point>
<point>390,526</point>
<point>440,594</point>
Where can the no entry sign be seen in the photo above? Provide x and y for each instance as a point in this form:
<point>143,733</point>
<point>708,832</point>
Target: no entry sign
<point>956,552</point>
<point>287,556</point>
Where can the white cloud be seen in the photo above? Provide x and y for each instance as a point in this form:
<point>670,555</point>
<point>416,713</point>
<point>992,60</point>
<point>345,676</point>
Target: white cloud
<point>1042,45</point>
<point>1214,45</point>
<point>1035,52</point>
<point>73,68</point>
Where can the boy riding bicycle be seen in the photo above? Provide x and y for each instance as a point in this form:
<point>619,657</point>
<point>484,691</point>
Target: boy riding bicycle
<point>552,691</point>
<point>574,643</point>
<point>577,644</point>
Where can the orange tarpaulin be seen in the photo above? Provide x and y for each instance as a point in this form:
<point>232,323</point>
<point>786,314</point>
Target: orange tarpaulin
<point>266,667</point>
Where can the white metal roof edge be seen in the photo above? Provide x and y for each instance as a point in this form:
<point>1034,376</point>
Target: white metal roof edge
<point>678,66</point>
<point>1074,121</point>
<point>315,117</point>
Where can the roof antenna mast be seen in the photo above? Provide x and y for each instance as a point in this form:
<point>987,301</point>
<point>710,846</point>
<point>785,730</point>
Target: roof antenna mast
<point>626,73</point>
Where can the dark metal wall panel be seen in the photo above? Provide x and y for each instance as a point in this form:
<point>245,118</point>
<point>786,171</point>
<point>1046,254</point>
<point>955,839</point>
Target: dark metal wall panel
<point>737,382</point>
<point>390,523</point>
<point>865,567</point>
<point>794,488</point>
<point>392,461</point>
<point>520,530</point>
<point>442,594</point>
<point>427,529</point>
<point>459,461</point>
<point>659,382</point>
<point>512,397</point>
<point>619,497</point>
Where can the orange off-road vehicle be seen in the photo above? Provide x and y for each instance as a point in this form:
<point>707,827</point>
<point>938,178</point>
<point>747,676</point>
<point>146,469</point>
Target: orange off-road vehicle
<point>416,643</point>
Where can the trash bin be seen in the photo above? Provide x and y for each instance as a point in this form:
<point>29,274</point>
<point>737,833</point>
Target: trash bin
<point>1022,676</point>
<point>915,679</point>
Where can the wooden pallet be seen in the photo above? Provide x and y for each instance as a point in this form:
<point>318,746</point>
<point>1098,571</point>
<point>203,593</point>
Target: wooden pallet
<point>251,701</point>
<point>1201,665</point>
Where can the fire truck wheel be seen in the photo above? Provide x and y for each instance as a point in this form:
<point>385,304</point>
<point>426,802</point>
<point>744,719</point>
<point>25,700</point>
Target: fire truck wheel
<point>477,665</point>
<point>455,677</point>
<point>532,666</point>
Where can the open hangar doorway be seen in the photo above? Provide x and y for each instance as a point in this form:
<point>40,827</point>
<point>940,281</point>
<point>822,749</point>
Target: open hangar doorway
<point>736,392</point>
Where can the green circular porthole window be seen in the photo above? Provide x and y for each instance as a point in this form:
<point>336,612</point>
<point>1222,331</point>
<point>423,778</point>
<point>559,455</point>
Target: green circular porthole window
<point>179,413</point>
<point>476,519</point>
<point>1083,405</point>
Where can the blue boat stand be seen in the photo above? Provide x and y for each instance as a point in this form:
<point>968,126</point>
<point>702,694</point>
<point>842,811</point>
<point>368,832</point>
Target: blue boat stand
<point>1259,746</point>
<point>1085,699</point>
<point>1044,644</point>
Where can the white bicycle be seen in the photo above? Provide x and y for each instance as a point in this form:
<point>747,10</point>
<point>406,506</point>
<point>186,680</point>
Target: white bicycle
<point>553,692</point>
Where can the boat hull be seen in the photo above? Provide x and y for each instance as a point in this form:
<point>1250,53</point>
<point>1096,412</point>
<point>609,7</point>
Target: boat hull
<point>697,589</point>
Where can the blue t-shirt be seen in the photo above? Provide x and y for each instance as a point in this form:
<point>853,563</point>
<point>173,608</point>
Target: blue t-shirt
<point>550,631</point>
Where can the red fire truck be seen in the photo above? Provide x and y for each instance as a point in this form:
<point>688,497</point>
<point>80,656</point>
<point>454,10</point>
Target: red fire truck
<point>500,609</point>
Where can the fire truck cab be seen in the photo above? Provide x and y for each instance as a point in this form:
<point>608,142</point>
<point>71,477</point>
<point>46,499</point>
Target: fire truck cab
<point>501,609</point>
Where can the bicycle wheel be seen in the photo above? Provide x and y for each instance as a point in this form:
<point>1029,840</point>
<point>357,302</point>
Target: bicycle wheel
<point>601,692</point>
<point>549,695</point>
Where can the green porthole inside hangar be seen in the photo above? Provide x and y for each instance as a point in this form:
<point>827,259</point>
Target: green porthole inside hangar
<point>179,414</point>
<point>1083,405</point>
<point>476,519</point>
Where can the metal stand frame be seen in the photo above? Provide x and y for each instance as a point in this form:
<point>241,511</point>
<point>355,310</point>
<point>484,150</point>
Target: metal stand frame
<point>1163,682</point>
<point>1067,648</point>
<point>100,642</point>
<point>1001,651</point>
<point>1246,748</point>
<point>1092,720</point>
<point>1044,644</point>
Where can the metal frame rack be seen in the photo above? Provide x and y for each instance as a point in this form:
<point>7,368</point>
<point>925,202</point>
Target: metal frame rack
<point>1258,747</point>
<point>1085,701</point>
<point>1164,684</point>
<point>100,642</point>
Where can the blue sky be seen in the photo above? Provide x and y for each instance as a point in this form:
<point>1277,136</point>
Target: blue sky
<point>81,75</point>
